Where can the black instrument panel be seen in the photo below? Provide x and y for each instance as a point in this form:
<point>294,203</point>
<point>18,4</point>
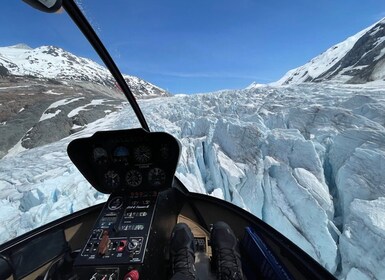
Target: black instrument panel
<point>126,160</point>
<point>121,232</point>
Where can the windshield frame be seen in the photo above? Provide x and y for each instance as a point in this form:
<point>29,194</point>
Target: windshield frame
<point>81,21</point>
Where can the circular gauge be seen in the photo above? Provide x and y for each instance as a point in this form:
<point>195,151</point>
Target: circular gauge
<point>134,178</point>
<point>116,203</point>
<point>156,176</point>
<point>142,154</point>
<point>100,155</point>
<point>112,179</point>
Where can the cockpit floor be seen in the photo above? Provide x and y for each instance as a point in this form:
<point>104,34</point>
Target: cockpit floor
<point>203,253</point>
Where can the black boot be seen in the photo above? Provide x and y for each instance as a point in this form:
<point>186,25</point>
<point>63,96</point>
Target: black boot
<point>182,251</point>
<point>226,256</point>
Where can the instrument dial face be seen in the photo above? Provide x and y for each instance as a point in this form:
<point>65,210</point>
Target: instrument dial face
<point>157,176</point>
<point>142,154</point>
<point>134,178</point>
<point>100,155</point>
<point>116,203</point>
<point>112,179</point>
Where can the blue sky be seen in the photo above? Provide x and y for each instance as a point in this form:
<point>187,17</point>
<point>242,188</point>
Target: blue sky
<point>201,45</point>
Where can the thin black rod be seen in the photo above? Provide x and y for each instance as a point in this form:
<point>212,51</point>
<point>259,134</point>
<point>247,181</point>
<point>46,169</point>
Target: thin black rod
<point>83,24</point>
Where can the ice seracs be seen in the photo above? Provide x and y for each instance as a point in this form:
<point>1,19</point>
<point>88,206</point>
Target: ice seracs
<point>310,164</point>
<point>361,241</point>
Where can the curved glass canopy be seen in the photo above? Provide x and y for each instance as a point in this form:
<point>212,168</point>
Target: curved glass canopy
<point>306,156</point>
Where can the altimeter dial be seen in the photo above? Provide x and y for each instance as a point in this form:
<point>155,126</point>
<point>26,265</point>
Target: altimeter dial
<point>134,178</point>
<point>142,154</point>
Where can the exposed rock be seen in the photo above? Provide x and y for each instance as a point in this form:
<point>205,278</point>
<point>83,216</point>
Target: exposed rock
<point>3,71</point>
<point>36,111</point>
<point>357,60</point>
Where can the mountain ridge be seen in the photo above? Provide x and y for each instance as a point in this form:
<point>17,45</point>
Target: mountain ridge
<point>357,60</point>
<point>43,62</point>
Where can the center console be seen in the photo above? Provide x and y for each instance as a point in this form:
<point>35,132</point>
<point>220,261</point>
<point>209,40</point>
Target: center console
<point>135,167</point>
<point>120,236</point>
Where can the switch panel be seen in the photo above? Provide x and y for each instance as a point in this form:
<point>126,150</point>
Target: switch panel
<point>121,232</point>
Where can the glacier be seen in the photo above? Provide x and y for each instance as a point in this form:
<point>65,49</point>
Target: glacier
<point>308,159</point>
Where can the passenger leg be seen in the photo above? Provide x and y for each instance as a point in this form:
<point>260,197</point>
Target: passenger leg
<point>182,251</point>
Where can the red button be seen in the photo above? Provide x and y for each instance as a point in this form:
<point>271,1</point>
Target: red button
<point>121,246</point>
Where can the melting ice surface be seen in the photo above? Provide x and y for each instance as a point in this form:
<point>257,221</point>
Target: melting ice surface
<point>308,159</point>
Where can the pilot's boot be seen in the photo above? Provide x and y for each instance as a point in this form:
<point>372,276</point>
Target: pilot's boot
<point>226,256</point>
<point>182,251</point>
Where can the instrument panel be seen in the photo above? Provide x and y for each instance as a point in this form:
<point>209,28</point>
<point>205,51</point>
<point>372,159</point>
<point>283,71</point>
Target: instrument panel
<point>118,240</point>
<point>134,166</point>
<point>126,160</point>
<point>125,224</point>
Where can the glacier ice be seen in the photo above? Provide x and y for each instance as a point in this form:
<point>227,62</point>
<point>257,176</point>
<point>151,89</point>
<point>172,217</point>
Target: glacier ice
<point>362,238</point>
<point>307,159</point>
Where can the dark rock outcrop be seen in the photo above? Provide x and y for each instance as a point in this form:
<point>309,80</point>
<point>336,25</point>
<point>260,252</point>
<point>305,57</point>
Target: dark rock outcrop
<point>359,59</point>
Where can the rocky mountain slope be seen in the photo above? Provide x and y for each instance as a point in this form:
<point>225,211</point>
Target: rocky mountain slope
<point>37,111</point>
<point>357,60</point>
<point>48,89</point>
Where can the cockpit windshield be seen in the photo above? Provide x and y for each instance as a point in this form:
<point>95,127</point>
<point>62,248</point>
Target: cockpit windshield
<point>303,150</point>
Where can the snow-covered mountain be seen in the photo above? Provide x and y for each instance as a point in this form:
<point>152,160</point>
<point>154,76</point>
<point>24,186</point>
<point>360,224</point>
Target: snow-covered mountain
<point>307,159</point>
<point>56,63</point>
<point>357,60</point>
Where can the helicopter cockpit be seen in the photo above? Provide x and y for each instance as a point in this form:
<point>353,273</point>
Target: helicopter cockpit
<point>134,166</point>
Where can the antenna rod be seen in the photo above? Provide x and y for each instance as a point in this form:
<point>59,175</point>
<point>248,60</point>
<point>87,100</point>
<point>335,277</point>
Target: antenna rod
<point>81,21</point>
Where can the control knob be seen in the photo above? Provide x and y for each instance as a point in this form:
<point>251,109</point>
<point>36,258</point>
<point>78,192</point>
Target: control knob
<point>132,245</point>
